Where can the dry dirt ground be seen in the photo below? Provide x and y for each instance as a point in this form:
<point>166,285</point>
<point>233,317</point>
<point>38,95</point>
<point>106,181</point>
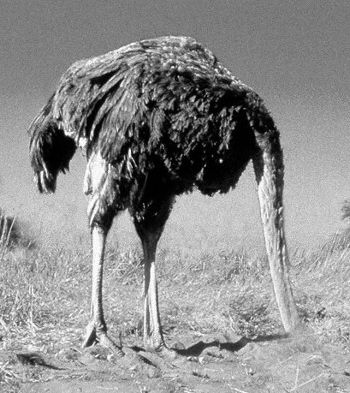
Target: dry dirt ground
<point>212,363</point>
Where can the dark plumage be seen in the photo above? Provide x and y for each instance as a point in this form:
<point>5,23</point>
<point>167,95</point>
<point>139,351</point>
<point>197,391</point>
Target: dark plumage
<point>50,149</point>
<point>156,119</point>
<point>164,102</point>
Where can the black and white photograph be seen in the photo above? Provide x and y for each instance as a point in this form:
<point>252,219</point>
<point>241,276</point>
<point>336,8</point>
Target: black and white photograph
<point>174,196</point>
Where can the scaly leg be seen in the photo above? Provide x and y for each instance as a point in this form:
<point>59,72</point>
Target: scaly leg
<point>97,329</point>
<point>149,217</point>
<point>153,336</point>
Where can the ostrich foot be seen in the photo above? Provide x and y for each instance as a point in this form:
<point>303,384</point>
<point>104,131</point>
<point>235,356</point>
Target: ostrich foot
<point>159,347</point>
<point>167,353</point>
<point>98,335</point>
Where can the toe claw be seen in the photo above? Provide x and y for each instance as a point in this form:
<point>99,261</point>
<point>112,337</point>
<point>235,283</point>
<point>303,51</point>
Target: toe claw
<point>94,336</point>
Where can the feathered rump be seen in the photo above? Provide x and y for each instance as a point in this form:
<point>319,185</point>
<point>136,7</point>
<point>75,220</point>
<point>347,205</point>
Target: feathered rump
<point>50,149</point>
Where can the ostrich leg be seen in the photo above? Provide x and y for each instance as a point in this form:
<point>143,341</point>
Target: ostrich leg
<point>268,167</point>
<point>153,336</point>
<point>149,225</point>
<point>152,330</point>
<point>96,329</point>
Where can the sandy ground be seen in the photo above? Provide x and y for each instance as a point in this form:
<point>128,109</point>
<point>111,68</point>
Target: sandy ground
<point>204,364</point>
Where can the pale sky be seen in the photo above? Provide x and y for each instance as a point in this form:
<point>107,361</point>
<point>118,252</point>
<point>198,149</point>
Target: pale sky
<point>295,54</point>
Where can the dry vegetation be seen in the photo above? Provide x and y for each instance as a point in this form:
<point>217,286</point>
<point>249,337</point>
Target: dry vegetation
<point>45,292</point>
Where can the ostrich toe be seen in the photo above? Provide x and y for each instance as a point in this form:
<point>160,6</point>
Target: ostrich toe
<point>94,336</point>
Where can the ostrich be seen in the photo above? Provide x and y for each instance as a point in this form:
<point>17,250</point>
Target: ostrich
<point>155,119</point>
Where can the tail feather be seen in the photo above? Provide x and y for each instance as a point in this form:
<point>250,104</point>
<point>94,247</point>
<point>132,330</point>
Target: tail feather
<point>50,149</point>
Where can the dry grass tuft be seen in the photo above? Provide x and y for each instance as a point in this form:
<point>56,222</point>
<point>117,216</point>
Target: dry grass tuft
<point>14,233</point>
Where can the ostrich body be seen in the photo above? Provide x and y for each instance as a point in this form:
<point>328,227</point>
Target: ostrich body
<point>158,118</point>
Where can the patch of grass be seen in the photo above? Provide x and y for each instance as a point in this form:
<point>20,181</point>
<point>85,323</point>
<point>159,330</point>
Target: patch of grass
<point>322,286</point>
<point>45,293</point>
<point>33,282</point>
<point>45,300</point>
